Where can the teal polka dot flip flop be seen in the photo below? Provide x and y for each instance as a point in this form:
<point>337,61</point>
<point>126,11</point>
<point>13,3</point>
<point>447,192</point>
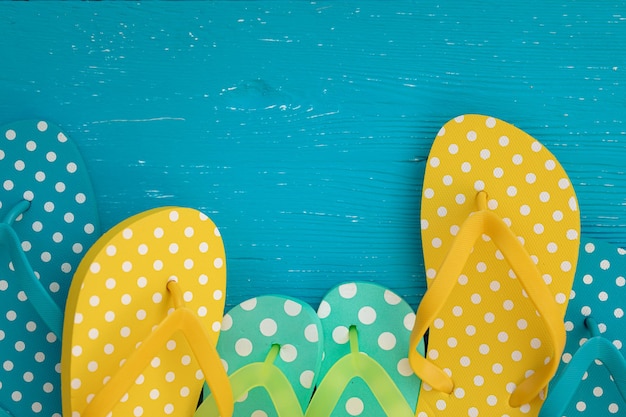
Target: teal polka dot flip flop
<point>591,379</point>
<point>365,371</point>
<point>271,347</point>
<point>48,219</point>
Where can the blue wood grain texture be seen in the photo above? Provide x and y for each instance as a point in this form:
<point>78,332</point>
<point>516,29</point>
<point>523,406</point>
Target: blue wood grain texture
<point>302,128</point>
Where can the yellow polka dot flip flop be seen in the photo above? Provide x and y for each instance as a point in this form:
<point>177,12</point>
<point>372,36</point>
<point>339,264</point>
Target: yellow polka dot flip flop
<point>48,219</point>
<point>143,317</point>
<point>365,371</point>
<point>272,348</point>
<point>500,234</point>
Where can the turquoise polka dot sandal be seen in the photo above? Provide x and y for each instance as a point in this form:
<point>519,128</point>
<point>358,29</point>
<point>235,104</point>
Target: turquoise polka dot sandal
<point>48,219</point>
<point>591,379</point>
<point>271,347</point>
<point>365,371</point>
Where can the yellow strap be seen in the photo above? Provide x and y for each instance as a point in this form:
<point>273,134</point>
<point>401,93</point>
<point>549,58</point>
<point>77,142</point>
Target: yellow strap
<point>477,224</point>
<point>181,320</point>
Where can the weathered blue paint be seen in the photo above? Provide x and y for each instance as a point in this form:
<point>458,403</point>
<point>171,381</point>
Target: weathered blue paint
<point>301,128</point>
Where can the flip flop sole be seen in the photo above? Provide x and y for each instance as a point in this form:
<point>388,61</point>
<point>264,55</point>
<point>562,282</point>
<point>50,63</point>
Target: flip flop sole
<point>119,295</point>
<point>250,330</point>
<point>41,165</point>
<point>383,321</point>
<point>600,293</point>
<point>488,336</point>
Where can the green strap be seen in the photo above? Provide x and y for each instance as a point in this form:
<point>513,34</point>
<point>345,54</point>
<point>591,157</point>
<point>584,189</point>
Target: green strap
<point>353,365</point>
<point>259,374</point>
<point>596,348</point>
<point>39,298</point>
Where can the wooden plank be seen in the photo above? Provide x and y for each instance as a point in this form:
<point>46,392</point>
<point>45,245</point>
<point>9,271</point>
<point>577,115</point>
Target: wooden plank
<point>302,128</point>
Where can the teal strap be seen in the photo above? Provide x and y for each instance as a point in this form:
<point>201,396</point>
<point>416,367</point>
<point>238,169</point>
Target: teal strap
<point>596,348</point>
<point>259,374</point>
<point>39,298</point>
<point>353,365</point>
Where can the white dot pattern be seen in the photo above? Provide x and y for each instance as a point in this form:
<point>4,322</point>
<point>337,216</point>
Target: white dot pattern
<point>29,379</point>
<point>120,297</point>
<point>599,293</point>
<point>250,329</point>
<point>496,336</point>
<point>383,322</point>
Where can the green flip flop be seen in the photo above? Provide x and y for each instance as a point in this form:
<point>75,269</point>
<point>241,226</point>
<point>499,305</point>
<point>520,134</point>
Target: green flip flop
<point>365,371</point>
<point>271,347</point>
<point>48,219</point>
<point>591,379</point>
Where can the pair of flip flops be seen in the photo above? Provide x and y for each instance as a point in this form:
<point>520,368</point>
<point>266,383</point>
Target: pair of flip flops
<point>348,359</point>
<point>122,325</point>
<point>48,220</point>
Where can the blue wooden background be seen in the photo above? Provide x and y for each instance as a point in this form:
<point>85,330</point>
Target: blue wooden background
<point>301,128</point>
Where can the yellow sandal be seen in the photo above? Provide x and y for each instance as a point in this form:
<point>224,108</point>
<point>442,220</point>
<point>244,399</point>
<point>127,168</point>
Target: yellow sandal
<point>500,232</point>
<point>143,318</point>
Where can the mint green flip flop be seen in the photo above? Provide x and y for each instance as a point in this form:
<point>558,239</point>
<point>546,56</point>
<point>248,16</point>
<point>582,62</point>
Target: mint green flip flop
<point>48,219</point>
<point>591,380</point>
<point>365,371</point>
<point>271,347</point>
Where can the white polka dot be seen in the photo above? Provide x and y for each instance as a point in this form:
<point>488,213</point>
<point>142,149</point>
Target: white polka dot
<point>497,368</point>
<point>51,156</point>
<point>218,263</point>
<point>367,315</point>
<point>429,193</point>
<point>306,379</point>
<point>498,172</point>
<point>324,310</point>
<point>42,126</point>
<point>434,162</point>
<point>472,412</point>
<point>243,347</point>
<point>485,154</point>
<point>249,305</point>
<point>442,211</point>
<point>386,341</point>
<point>447,180</point>
<point>484,349</point>
<point>268,327</point>
<point>288,353</point>
<point>354,406</point>
<point>479,185</point>
<point>311,333</point>
<point>340,335</point>
<point>516,356</point>
<point>348,291</point>
<point>441,405</point>
<point>563,183</point>
<point>404,367</point>
<point>452,342</point>
<point>409,321</point>
<point>292,308</point>
<point>10,134</point>
<point>479,380</point>
<point>453,149</point>
<point>391,298</point>
<point>471,136</point>
<point>511,191</point>
<point>466,167</point>
<point>492,400</point>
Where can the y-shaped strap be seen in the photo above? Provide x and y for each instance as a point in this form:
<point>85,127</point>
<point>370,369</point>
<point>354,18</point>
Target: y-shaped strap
<point>39,298</point>
<point>181,320</point>
<point>357,364</point>
<point>596,348</point>
<point>478,223</point>
<point>260,374</point>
